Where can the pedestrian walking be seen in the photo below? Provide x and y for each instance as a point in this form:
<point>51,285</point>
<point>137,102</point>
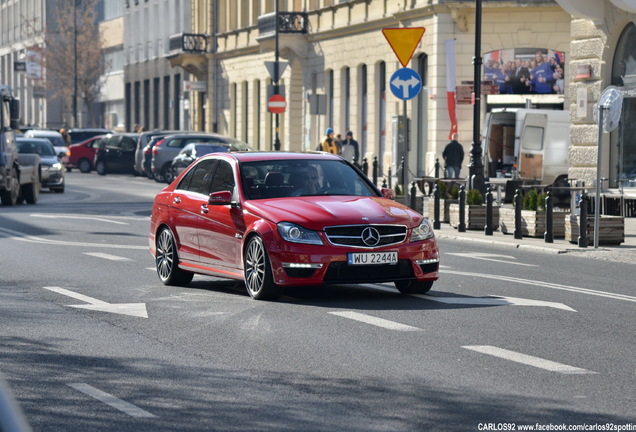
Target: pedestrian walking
<point>453,157</point>
<point>350,149</point>
<point>328,142</point>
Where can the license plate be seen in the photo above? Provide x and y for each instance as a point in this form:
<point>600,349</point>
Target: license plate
<point>370,258</point>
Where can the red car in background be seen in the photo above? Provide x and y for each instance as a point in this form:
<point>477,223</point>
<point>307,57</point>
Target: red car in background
<point>276,219</point>
<point>83,154</point>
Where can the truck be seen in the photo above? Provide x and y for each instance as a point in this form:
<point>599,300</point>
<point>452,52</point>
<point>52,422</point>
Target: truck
<point>525,146</point>
<point>20,174</point>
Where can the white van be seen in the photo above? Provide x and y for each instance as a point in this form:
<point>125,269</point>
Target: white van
<point>527,144</point>
<point>56,139</point>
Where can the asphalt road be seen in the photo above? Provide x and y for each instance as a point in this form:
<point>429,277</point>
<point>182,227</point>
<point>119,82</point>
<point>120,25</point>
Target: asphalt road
<point>91,340</point>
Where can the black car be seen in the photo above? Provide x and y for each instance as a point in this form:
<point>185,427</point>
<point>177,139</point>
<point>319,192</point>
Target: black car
<point>116,154</point>
<point>81,135</point>
<point>192,151</point>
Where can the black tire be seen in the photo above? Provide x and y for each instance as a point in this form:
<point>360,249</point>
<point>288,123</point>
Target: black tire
<point>413,286</point>
<point>31,192</point>
<point>9,197</point>
<point>167,261</point>
<point>258,272</point>
<point>166,173</point>
<point>158,177</point>
<point>85,166</point>
<point>100,167</point>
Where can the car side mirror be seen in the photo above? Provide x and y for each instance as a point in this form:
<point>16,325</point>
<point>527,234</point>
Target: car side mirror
<point>220,198</point>
<point>388,193</point>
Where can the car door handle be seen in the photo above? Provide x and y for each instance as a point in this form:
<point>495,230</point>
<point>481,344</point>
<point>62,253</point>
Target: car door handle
<point>204,209</point>
<point>177,200</point>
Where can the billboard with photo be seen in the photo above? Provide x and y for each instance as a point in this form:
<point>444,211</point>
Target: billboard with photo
<point>526,70</point>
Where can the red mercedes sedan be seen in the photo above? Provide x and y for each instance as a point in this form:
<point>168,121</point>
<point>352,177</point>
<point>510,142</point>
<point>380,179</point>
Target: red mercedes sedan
<point>276,219</point>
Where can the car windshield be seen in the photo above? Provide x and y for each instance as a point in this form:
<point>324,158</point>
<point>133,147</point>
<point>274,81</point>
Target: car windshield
<point>37,147</point>
<point>57,141</point>
<point>302,177</point>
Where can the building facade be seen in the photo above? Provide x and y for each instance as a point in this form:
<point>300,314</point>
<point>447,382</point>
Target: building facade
<point>603,53</point>
<point>339,66</point>
<point>153,88</point>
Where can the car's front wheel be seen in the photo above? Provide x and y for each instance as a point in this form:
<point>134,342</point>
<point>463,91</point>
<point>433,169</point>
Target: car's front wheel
<point>258,272</point>
<point>167,261</point>
<point>413,286</point>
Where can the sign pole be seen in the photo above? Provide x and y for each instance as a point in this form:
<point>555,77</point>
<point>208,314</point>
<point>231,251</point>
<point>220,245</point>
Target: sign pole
<point>276,77</point>
<point>405,173</point>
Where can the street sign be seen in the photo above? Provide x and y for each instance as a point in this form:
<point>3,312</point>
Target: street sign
<point>271,68</point>
<point>195,86</point>
<point>405,83</point>
<point>276,104</point>
<point>403,41</point>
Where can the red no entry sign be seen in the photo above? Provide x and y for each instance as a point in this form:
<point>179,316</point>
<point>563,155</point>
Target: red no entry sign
<point>276,104</point>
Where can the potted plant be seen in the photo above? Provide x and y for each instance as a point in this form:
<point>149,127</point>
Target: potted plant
<point>474,211</point>
<point>533,217</point>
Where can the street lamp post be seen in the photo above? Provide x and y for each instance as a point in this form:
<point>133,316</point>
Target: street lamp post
<point>476,167</point>
<point>276,78</point>
<point>75,63</point>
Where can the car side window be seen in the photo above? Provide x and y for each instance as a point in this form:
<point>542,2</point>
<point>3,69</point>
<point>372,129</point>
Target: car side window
<point>127,144</point>
<point>201,175</point>
<point>177,142</point>
<point>223,179</point>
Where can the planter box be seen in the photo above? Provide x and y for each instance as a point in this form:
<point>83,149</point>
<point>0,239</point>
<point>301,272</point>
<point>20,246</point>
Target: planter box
<point>475,217</point>
<point>419,202</point>
<point>444,209</point>
<point>611,230</point>
<point>532,222</point>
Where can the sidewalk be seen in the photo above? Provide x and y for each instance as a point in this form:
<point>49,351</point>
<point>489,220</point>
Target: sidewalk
<point>625,252</point>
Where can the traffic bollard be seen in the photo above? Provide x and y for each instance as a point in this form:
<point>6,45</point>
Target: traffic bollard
<point>413,197</point>
<point>436,209</point>
<point>583,222</point>
<point>437,166</point>
<point>375,170</point>
<point>461,227</point>
<point>365,167</point>
<point>518,234</point>
<point>549,208</point>
<point>488,228</point>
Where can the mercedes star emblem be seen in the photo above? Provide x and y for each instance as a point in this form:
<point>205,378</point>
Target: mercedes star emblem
<point>370,236</point>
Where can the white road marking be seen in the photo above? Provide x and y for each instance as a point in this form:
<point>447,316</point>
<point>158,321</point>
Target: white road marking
<point>379,322</point>
<point>92,218</point>
<point>108,399</point>
<point>132,309</point>
<point>491,257</point>
<point>16,235</point>
<point>527,359</point>
<point>107,256</point>
<point>547,285</point>
<point>494,301</point>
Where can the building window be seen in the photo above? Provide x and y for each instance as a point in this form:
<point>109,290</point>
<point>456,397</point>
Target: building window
<point>622,164</point>
<point>166,102</point>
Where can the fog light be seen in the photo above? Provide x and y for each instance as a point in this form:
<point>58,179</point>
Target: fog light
<point>302,265</point>
<point>426,261</point>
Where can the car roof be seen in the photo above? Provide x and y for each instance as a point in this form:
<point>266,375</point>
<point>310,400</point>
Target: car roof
<point>90,130</point>
<point>276,155</point>
<point>32,139</point>
<point>42,133</point>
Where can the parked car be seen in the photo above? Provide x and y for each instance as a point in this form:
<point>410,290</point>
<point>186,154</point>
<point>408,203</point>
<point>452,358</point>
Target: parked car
<point>52,175</point>
<point>81,135</point>
<point>144,139</point>
<point>83,154</point>
<point>191,152</point>
<point>56,139</point>
<point>165,150</point>
<point>251,216</point>
<point>116,154</point>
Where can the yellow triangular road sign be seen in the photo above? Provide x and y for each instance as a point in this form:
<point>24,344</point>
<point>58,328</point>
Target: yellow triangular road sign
<point>403,40</point>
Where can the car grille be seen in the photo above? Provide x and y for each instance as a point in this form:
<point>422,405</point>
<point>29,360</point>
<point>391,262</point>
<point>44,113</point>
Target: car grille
<point>354,235</point>
<point>341,272</point>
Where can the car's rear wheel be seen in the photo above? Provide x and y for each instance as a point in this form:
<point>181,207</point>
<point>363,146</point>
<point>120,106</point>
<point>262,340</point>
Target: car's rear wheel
<point>413,286</point>
<point>258,272</point>
<point>100,167</point>
<point>85,166</point>
<point>167,261</point>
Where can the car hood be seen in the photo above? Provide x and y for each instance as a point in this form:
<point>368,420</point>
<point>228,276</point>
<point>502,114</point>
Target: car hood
<point>318,212</point>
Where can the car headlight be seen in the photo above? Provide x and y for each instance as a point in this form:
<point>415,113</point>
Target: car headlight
<point>297,234</point>
<point>56,167</point>
<point>422,232</point>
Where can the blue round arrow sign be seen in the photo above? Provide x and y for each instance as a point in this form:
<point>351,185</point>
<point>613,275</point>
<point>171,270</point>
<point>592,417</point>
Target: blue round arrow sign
<point>405,83</point>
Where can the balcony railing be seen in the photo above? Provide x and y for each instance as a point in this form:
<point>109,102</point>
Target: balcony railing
<point>188,43</point>
<point>288,22</point>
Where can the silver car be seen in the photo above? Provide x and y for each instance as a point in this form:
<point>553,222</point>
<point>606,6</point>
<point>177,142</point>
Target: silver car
<point>52,169</point>
<point>165,151</point>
